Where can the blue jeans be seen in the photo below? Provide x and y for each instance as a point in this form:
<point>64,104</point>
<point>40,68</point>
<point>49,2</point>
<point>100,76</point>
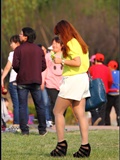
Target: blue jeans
<point>35,91</point>
<point>14,97</point>
<point>45,101</point>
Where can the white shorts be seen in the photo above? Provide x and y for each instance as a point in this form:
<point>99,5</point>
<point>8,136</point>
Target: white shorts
<point>75,87</point>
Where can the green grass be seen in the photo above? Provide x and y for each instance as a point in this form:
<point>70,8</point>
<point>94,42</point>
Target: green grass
<point>104,144</point>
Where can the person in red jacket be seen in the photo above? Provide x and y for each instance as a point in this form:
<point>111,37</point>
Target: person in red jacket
<point>29,62</point>
<point>99,70</point>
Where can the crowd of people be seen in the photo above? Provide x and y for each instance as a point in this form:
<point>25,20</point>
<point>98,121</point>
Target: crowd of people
<point>110,77</point>
<point>56,79</point>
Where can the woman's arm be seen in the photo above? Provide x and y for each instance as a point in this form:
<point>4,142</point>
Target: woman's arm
<point>5,72</point>
<point>75,62</point>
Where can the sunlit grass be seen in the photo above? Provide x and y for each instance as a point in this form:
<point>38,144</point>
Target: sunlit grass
<point>104,143</point>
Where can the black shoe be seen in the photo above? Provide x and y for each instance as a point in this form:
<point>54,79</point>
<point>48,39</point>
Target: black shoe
<point>42,133</point>
<point>60,150</point>
<point>83,152</point>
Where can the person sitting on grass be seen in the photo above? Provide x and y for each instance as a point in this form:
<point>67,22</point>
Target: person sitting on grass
<point>5,117</point>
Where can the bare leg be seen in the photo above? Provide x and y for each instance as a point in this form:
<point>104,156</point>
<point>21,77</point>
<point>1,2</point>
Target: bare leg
<point>59,109</point>
<point>85,148</point>
<point>79,110</point>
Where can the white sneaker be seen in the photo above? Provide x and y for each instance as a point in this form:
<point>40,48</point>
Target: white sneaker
<point>49,124</point>
<point>13,128</point>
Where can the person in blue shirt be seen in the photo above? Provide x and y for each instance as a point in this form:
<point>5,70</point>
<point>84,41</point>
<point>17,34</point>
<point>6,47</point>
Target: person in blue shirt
<point>113,94</point>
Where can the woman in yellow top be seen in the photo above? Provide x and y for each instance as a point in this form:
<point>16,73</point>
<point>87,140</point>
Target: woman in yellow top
<point>74,88</point>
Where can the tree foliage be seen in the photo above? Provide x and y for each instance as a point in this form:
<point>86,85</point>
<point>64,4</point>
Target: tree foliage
<point>96,21</point>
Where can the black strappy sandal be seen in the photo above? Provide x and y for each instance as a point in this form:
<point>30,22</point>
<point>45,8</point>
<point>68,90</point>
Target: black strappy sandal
<point>60,150</point>
<point>83,152</point>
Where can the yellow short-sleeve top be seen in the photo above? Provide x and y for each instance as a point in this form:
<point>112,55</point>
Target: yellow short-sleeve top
<point>75,51</point>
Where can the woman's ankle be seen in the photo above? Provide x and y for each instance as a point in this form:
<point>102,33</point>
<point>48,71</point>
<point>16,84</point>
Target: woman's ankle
<point>62,141</point>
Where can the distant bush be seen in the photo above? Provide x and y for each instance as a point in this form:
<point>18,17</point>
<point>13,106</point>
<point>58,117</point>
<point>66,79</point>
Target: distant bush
<point>69,117</point>
<point>32,110</point>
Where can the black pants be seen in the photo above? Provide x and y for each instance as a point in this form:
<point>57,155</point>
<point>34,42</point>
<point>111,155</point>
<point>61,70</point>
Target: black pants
<point>53,93</point>
<point>112,101</point>
<point>99,112</point>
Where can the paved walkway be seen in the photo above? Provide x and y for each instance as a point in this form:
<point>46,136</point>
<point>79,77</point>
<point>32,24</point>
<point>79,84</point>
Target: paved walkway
<point>76,128</point>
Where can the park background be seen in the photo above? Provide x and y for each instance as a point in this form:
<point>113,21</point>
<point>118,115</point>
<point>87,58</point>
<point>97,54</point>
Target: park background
<point>96,20</point>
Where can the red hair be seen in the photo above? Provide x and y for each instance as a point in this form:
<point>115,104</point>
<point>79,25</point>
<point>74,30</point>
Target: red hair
<point>67,32</point>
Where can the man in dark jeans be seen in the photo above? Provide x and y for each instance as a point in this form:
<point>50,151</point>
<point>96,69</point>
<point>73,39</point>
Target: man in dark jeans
<point>29,62</point>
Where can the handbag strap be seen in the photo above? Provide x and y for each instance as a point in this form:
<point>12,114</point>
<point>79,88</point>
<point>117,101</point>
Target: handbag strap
<point>90,77</point>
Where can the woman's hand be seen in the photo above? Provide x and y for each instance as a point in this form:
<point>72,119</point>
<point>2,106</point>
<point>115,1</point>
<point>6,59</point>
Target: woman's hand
<point>75,62</point>
<point>57,60</point>
<point>42,87</point>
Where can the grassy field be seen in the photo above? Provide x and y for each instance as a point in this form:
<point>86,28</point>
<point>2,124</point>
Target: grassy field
<point>104,144</point>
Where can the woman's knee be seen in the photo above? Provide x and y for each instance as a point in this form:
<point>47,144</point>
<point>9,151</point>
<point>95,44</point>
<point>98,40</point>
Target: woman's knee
<point>57,112</point>
<point>54,112</point>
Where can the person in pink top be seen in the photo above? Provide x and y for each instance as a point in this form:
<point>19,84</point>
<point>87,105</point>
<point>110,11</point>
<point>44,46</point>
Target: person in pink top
<point>45,101</point>
<point>53,76</point>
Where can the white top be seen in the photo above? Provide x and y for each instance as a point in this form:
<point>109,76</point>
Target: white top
<point>13,74</point>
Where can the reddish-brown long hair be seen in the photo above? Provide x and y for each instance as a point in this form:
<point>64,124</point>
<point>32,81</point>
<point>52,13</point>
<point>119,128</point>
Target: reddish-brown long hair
<point>66,31</point>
